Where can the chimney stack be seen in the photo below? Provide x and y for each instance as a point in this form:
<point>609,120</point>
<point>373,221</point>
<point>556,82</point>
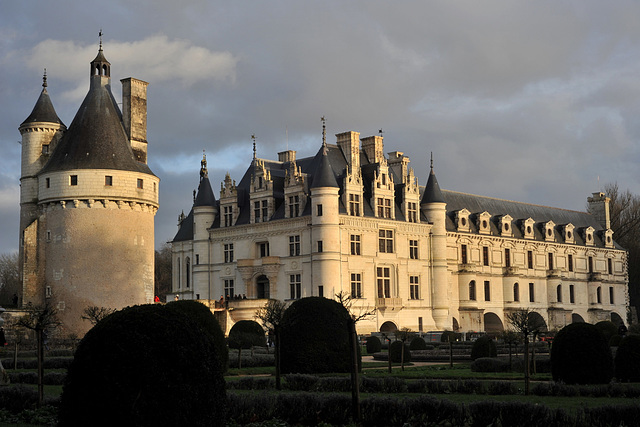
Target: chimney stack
<point>134,115</point>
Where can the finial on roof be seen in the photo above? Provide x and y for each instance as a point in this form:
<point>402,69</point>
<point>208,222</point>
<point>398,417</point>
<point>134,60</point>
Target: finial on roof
<point>204,173</point>
<point>100,36</point>
<point>324,131</point>
<point>253,137</point>
<point>44,78</point>
<point>432,160</point>
<point>380,132</point>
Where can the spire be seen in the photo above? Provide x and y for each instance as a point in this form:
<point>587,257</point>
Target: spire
<point>204,196</point>
<point>253,137</point>
<point>100,66</point>
<point>323,175</point>
<point>204,173</point>
<point>432,193</point>
<point>44,79</point>
<point>324,133</point>
<point>43,111</point>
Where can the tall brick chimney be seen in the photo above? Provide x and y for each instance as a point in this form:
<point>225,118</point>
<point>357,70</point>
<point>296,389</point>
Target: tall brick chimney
<point>134,115</point>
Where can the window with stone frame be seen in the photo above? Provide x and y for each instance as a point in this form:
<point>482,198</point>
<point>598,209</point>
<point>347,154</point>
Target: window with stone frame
<point>412,212</point>
<point>572,298</point>
<point>516,292</point>
<point>472,290</point>
<point>256,212</point>
<point>294,206</point>
<point>294,245</point>
<point>385,241</point>
<point>413,249</point>
<point>559,293</point>
<point>550,260</point>
<point>487,290</point>
<point>73,180</point>
<point>263,249</point>
<point>609,266</point>
<point>485,255</point>
<point>356,285</point>
<point>354,240</point>
<point>265,210</point>
<point>229,290</point>
<point>610,294</point>
<point>414,287</point>
<point>507,257</point>
<point>383,278</point>
<point>529,259</point>
<point>570,262</point>
<point>384,207</point>
<point>228,216</point>
<point>295,286</point>
<point>228,252</point>
<point>463,254</point>
<point>354,204</point>
<point>532,294</point>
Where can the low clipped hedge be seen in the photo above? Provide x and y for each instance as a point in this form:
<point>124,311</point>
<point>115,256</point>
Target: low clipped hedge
<point>373,344</point>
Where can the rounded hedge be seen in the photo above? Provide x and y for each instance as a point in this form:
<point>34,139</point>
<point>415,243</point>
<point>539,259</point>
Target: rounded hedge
<point>418,343</point>
<point>314,337</point>
<point>146,365</point>
<point>450,335</point>
<point>607,328</point>
<point>208,323</point>
<point>247,334</point>
<point>483,347</point>
<point>627,362</point>
<point>395,351</point>
<point>580,354</point>
<point>373,344</point>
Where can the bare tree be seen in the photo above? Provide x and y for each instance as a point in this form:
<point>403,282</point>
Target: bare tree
<point>40,318</point>
<point>9,277</point>
<point>162,274</point>
<point>526,323</point>
<point>95,314</point>
<point>347,300</point>
<point>271,318</point>
<point>405,334</point>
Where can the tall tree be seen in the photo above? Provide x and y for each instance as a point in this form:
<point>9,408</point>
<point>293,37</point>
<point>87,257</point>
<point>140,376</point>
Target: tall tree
<point>9,277</point>
<point>271,318</point>
<point>525,322</point>
<point>163,271</point>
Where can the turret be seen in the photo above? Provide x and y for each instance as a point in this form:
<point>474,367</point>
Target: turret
<point>204,204</point>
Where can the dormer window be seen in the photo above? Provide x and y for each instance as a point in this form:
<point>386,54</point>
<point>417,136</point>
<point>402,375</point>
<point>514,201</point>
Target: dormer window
<point>505,225</point>
<point>484,223</point>
<point>527,228</point>
<point>548,231</point>
<point>588,236</point>
<point>568,231</point>
<point>462,220</point>
<point>608,238</point>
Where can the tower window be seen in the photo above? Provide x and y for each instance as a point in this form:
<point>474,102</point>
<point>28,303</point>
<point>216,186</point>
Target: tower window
<point>73,180</point>
<point>572,298</point>
<point>516,292</point>
<point>319,245</point>
<point>47,182</point>
<point>140,183</point>
<point>559,293</point>
<point>472,290</point>
<point>45,148</point>
<point>108,180</point>
<point>319,210</point>
<point>532,296</point>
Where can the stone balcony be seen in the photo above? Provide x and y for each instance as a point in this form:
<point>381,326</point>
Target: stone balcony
<point>510,271</point>
<point>467,268</point>
<point>554,272</point>
<point>391,303</point>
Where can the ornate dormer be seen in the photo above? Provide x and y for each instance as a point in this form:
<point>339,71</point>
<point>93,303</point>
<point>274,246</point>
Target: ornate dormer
<point>568,233</point>
<point>607,238</point>
<point>352,195</point>
<point>261,191</point>
<point>462,220</point>
<point>527,228</point>
<point>228,202</point>
<point>382,191</point>
<point>295,194</point>
<point>411,197</point>
<point>588,236</point>
<point>505,223</point>
<point>484,223</point>
<point>548,230</point>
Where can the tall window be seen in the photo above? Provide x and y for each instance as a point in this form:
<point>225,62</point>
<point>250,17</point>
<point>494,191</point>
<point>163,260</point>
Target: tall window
<point>414,287</point>
<point>188,272</point>
<point>487,290</point>
<point>516,292</point>
<point>320,247</point>
<point>507,257</point>
<point>294,245</point>
<point>463,254</point>
<point>294,206</point>
<point>610,294</point>
<point>472,290</point>
<point>599,295</point>
<point>412,212</point>
<point>529,259</point>
<point>228,216</point>
<point>572,298</point>
<point>413,249</point>
<point>265,210</point>
<point>550,260</point>
<point>559,293</point>
<point>384,207</point>
<point>570,262</point>
<point>47,182</point>
<point>319,210</point>
<point>532,295</point>
<point>197,259</point>
<point>228,252</point>
<point>385,241</point>
<point>354,204</point>
<point>73,180</point>
<point>295,285</point>
<point>140,183</point>
<point>590,264</point>
<point>355,244</point>
<point>485,255</point>
<point>263,249</point>
<point>609,266</point>
<point>179,274</point>
<point>356,285</point>
<point>383,276</point>
<point>256,211</point>
<point>228,289</point>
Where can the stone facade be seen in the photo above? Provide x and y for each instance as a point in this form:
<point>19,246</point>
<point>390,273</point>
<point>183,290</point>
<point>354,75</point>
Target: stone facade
<point>88,202</point>
<point>351,219</point>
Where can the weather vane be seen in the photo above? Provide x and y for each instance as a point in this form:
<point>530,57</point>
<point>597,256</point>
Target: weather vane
<point>100,36</point>
<point>253,137</point>
<point>324,131</point>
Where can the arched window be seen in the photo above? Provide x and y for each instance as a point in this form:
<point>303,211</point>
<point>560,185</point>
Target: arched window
<point>188,272</point>
<point>516,292</point>
<point>599,295</point>
<point>559,293</point>
<point>472,290</point>
<point>105,70</point>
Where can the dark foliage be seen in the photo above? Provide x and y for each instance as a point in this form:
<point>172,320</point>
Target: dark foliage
<point>418,343</point>
<point>373,344</point>
<point>450,336</point>
<point>483,347</point>
<point>490,364</point>
<point>314,337</point>
<point>395,350</point>
<point>607,328</point>
<point>247,334</point>
<point>615,340</point>
<point>581,355</point>
<point>146,365</point>
<point>627,361</point>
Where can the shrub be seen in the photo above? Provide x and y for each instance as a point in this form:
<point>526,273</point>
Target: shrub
<point>607,328</point>
<point>450,335</point>
<point>483,347</point>
<point>395,352</point>
<point>373,344</point>
<point>490,364</point>
<point>418,343</point>
<point>615,340</point>
<point>627,363</point>
<point>146,365</point>
<point>314,337</point>
<point>581,355</point>
<point>247,334</point>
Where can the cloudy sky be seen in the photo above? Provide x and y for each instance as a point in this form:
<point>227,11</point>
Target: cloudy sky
<point>529,101</point>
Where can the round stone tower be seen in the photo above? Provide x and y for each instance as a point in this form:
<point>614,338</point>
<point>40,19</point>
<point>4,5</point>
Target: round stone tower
<point>91,241</point>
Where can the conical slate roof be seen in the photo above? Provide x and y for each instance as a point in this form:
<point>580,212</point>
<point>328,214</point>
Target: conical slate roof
<point>96,138</point>
<point>43,111</point>
<point>432,193</point>
<point>205,195</point>
<point>324,176</point>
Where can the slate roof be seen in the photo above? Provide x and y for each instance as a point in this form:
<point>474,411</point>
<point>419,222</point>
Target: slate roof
<point>432,193</point>
<point>43,111</point>
<point>205,195</point>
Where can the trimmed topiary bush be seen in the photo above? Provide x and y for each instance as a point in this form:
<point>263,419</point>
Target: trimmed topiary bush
<point>607,328</point>
<point>418,343</point>
<point>146,365</point>
<point>373,344</point>
<point>314,337</point>
<point>248,333</point>
<point>395,350</point>
<point>483,347</point>
<point>628,359</point>
<point>581,355</point>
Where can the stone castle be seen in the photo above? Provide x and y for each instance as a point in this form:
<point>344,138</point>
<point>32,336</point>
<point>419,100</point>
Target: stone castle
<point>87,202</point>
